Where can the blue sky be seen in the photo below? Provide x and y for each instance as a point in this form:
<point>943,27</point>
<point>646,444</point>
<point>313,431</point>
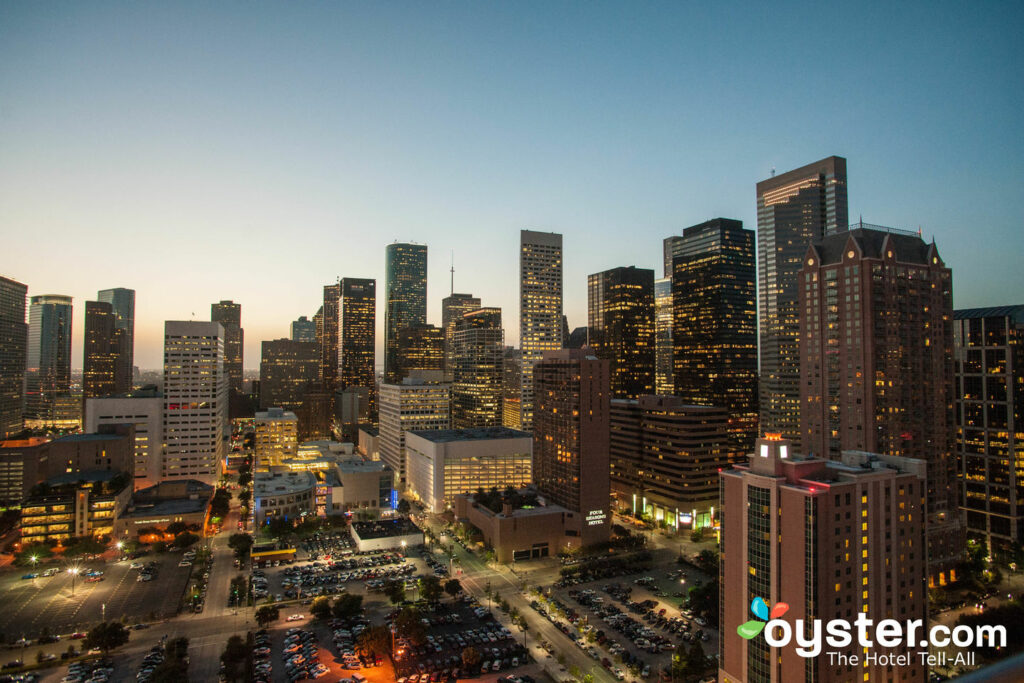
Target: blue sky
<point>256,151</point>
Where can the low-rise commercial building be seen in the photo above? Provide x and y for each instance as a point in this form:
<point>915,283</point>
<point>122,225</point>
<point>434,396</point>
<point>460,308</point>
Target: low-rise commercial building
<point>289,495</point>
<point>143,409</point>
<point>152,509</point>
<point>522,532</point>
<point>386,534</point>
<point>75,504</point>
<point>441,464</point>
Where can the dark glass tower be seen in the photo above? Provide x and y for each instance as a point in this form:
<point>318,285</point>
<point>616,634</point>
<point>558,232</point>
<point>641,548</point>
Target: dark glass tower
<point>122,301</point>
<point>714,321</point>
<point>479,353</point>
<point>101,352</point>
<point>229,314</point>
<point>48,368</point>
<point>793,209</point>
<point>288,369</point>
<point>620,318</point>
<point>405,299</point>
<point>420,348</point>
<point>327,336</point>
<point>453,307</point>
<point>13,341</point>
<point>357,316</point>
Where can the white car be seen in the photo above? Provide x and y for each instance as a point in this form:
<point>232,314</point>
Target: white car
<point>295,617</point>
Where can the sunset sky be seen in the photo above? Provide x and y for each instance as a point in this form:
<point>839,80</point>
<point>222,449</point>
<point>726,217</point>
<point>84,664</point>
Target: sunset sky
<point>257,151</point>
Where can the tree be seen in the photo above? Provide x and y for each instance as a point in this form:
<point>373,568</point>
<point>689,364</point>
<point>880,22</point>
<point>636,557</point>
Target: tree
<point>321,608</point>
<point>707,562</point>
<point>83,545</point>
<point>107,636</point>
<point>235,657</point>
<point>403,506</point>
<point>452,587</point>
<point>185,539</point>
<point>347,606</point>
<point>409,626</point>
<point>471,659</point>
<point>375,639</point>
<point>241,544</point>
<point>266,614</point>
<point>697,535</point>
<point>221,503</point>
<point>395,590</point>
<point>23,558</point>
<point>244,478</point>
<point>159,547</point>
<point>430,588</point>
<point>703,600</point>
<point>175,528</point>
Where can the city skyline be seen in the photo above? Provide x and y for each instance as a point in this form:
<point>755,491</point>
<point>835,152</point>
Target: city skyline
<point>604,145</point>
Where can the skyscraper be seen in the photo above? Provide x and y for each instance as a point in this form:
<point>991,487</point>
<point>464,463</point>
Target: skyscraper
<point>13,343</point>
<point>328,337</point>
<point>714,333</point>
<point>620,321</point>
<point>195,401</point>
<point>303,330</point>
<point>540,308</point>
<point>511,388</point>
<point>989,345</point>
<point>664,374</point>
<point>48,367</point>
<point>101,351</point>
<point>452,309</point>
<point>478,372</point>
<point>832,540</point>
<point>420,348</point>
<point>287,370</point>
<point>405,301</point>
<point>793,209</point>
<point>411,405</point>
<point>357,316</point>
<point>876,371</point>
<point>122,301</point>
<point>229,314</point>
<point>570,437</point>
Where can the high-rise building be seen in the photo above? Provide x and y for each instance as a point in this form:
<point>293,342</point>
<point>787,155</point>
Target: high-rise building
<point>793,209</point>
<point>478,372</point>
<point>540,309</point>
<point>327,332</point>
<point>13,350</point>
<point>195,401</point>
<point>142,408</point>
<point>876,371</point>
<point>664,374</point>
<point>570,437</point>
<point>666,456</point>
<point>832,540</point>
<point>287,370</point>
<point>122,301</point>
<point>620,322</point>
<point>229,314</point>
<point>512,415</point>
<point>276,437</point>
<point>357,316</point>
<point>989,345</point>
<point>303,330</point>
<point>48,367</point>
<point>405,299</point>
<point>420,348</point>
<point>714,323</point>
<point>101,352</point>
<point>412,405</point>
<point>452,309</point>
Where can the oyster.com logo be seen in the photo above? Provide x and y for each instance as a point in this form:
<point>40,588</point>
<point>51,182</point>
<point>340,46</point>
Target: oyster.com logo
<point>759,608</point>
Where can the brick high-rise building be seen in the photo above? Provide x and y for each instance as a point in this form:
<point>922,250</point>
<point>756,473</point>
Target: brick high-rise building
<point>714,326</point>
<point>13,349</point>
<point>572,388</point>
<point>793,209</point>
<point>989,345</point>
<point>832,540</point>
<point>540,309</point>
<point>666,456</point>
<point>229,314</point>
<point>405,299</point>
<point>876,350</point>
<point>620,322</point>
<point>478,369</point>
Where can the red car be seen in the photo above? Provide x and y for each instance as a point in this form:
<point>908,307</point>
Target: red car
<point>77,636</point>
<point>94,579</point>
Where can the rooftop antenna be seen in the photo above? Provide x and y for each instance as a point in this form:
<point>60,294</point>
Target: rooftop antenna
<point>453,272</point>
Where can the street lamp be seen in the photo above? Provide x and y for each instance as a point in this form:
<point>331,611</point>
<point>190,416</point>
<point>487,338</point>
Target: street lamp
<point>74,573</point>
<point>403,548</point>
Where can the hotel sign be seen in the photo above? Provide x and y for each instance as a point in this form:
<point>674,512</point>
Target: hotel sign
<point>596,517</point>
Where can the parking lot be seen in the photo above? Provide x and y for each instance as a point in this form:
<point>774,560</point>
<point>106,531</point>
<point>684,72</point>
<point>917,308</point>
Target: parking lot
<point>31,605</point>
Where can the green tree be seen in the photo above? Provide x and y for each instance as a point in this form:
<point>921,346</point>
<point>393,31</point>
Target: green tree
<point>430,588</point>
<point>347,606</point>
<point>83,545</point>
<point>241,544</point>
<point>376,639</point>
<point>471,660</point>
<point>452,587</point>
<point>24,557</point>
<point>409,626</point>
<point>185,539</point>
<point>107,636</point>
<point>175,528</point>
<point>235,659</point>
<point>403,506</point>
<point>221,503</point>
<point>395,590</point>
<point>266,614</point>
<point>321,608</point>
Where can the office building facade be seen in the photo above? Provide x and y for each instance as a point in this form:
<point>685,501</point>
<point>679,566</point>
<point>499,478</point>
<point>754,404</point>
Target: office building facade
<point>122,302</point>
<point>405,299</point>
<point>714,324</point>
<point>478,372</point>
<point>276,437</point>
<point>453,307</point>
<point>288,369</point>
<point>303,330</point>
<point>876,349</point>
<point>620,322</point>
<point>327,336</point>
<point>48,366</point>
<point>101,351</point>
<point>229,315</point>
<point>412,405</point>
<point>195,401</point>
<point>357,334</point>
<point>793,209</point>
<point>13,351</point>
<point>664,373</point>
<point>420,349</point>
<point>989,357</point>
<point>540,308</point>
<point>143,409</point>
